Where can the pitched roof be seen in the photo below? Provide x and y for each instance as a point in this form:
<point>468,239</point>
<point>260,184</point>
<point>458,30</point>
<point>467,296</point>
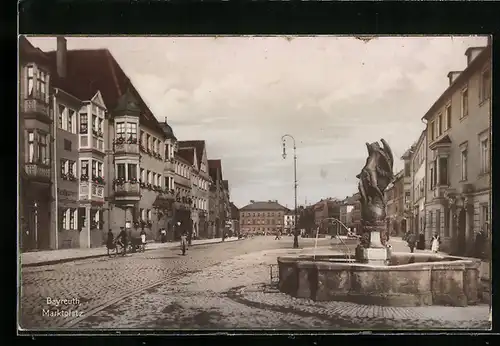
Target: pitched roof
<point>199,146</point>
<point>29,52</point>
<point>187,154</point>
<point>89,71</point>
<point>213,167</point>
<point>263,206</point>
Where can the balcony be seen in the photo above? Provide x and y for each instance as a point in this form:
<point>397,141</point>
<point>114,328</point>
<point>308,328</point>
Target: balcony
<point>127,191</point>
<point>91,190</point>
<point>164,200</point>
<point>170,165</point>
<point>36,107</point>
<point>37,171</point>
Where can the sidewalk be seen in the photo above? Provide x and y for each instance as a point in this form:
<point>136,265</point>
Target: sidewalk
<point>39,258</point>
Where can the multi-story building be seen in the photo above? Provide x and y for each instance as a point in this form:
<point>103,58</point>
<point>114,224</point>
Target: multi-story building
<point>458,149</point>
<point>346,211</point>
<point>235,220</point>
<point>184,161</point>
<point>418,164</point>
<point>395,196</point>
<point>217,214</point>
<point>93,156</point>
<point>407,218</point>
<point>226,204</point>
<point>262,217</point>
<point>325,213</point>
<point>195,152</point>
<point>289,221</point>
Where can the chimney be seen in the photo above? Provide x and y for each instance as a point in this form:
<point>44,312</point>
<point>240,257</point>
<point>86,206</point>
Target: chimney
<point>452,76</point>
<point>472,53</point>
<point>166,120</point>
<point>61,56</point>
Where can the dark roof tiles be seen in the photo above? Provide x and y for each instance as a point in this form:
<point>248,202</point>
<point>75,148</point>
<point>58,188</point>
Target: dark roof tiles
<point>258,206</point>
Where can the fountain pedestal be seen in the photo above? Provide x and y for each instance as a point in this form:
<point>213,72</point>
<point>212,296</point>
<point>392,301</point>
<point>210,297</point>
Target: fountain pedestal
<point>377,254</point>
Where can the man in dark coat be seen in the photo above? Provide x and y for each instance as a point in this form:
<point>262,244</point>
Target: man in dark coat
<point>411,242</point>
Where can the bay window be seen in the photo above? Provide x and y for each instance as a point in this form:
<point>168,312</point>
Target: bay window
<point>120,171</point>
<point>31,82</point>
<point>120,130</point>
<point>84,123</point>
<point>443,171</point>
<point>31,146</point>
<point>84,169</point>
<point>43,149</point>
<point>132,131</point>
<point>132,171</point>
<point>100,172</point>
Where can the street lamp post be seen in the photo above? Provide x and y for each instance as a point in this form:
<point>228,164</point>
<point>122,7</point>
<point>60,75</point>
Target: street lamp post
<point>283,139</point>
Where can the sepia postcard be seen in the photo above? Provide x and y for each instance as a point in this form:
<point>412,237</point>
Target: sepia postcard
<point>233,183</point>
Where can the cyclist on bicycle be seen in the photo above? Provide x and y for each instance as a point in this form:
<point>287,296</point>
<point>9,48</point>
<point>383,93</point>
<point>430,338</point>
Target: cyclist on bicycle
<point>122,239</point>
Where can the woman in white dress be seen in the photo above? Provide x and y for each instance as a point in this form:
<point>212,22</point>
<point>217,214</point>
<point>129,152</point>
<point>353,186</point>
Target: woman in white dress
<point>436,240</point>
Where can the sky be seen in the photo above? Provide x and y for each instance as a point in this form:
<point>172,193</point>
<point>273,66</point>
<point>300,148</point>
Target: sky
<point>332,94</point>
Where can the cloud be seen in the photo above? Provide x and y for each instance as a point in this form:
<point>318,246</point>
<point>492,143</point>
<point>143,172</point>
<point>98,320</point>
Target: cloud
<point>333,94</point>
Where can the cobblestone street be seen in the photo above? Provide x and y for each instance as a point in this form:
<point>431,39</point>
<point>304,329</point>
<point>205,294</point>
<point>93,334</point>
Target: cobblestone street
<point>218,287</point>
<point>100,282</point>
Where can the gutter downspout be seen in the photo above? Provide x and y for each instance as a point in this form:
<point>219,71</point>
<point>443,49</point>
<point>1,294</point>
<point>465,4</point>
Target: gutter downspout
<point>56,195</point>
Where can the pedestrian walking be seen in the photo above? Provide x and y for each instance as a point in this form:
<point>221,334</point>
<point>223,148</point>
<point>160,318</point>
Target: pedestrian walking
<point>421,241</point>
<point>163,235</point>
<point>183,243</point>
<point>411,240</point>
<point>143,240</point>
<point>436,242</point>
<point>110,241</point>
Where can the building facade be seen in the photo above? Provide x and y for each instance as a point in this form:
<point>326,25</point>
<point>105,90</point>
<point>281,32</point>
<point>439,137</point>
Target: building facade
<point>262,217</point>
<point>347,211</point>
<point>458,149</point>
<point>217,214</point>
<point>93,156</point>
<point>326,212</point>
<point>395,206</point>
<point>289,222</point>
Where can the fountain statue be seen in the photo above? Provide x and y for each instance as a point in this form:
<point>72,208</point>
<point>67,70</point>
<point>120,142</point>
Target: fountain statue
<point>373,179</point>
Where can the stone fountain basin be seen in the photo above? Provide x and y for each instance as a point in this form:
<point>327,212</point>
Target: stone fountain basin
<point>416,279</point>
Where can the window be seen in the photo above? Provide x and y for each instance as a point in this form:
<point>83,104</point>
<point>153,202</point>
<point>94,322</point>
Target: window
<point>67,145</point>
<point>157,146</point>
<point>148,142</point>
<point>64,167</point>
<point>166,183</point>
<point>31,147</point>
<point>71,167</point>
<point>407,169</point>
<point>485,88</point>
<point>155,179</point>
<point>43,149</point>
<point>143,214</point>
<point>430,219</point>
<point>84,168</point>
<point>120,171</point>
<point>150,214</point>
<point>159,180</point>
<point>94,168</point>
<point>132,131</point>
<point>120,130</point>
<point>465,102</point>
<point>100,172</point>
<point>84,123</point>
<point>431,129</point>
<point>463,162</point>
<point>62,117</point>
<point>132,171</point>
<point>30,81</point>
<point>150,178</point>
<point>484,155</point>
<point>64,219</point>
<point>167,151</point>
<point>443,171</point>
<point>439,124</point>
<point>72,219</point>
<point>101,125</point>
<point>448,116</point>
<point>94,123</point>
<point>143,175</point>
<point>41,86</point>
<point>71,120</point>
